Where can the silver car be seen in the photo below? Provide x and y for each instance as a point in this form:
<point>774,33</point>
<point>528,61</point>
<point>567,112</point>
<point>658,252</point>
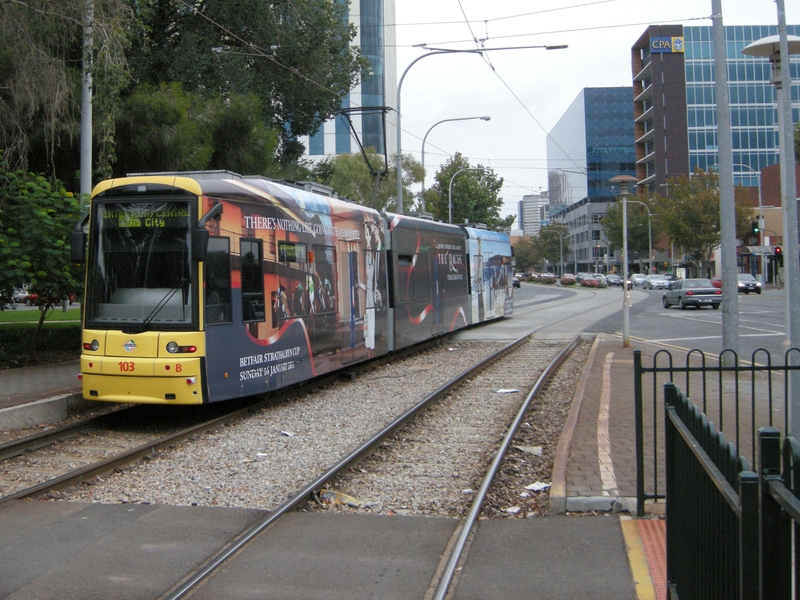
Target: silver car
<point>656,282</point>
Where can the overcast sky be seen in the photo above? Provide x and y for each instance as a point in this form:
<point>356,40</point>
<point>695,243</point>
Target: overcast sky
<point>525,91</point>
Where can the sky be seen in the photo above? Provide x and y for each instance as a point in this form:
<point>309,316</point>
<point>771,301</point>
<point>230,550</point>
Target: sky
<point>525,92</point>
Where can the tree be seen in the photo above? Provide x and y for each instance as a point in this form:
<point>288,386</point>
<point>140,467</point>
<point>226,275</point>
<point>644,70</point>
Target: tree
<point>40,81</point>
<point>36,219</point>
<point>350,176</point>
<point>552,243</point>
<point>295,56</point>
<point>690,216</point>
<point>526,254</point>
<point>475,197</point>
<point>639,225</point>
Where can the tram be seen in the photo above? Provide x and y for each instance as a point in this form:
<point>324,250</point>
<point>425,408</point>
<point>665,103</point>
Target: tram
<point>208,286</point>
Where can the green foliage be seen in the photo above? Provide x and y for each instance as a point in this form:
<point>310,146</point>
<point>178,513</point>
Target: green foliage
<point>160,129</point>
<point>552,241</point>
<point>295,56</point>
<point>691,215</point>
<point>475,194</point>
<point>350,176</point>
<point>36,218</point>
<point>241,141</point>
<point>638,221</point>
<point>55,343</point>
<point>526,254</point>
<point>40,81</point>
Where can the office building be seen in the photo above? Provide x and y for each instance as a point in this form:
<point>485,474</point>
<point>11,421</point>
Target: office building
<point>675,103</point>
<point>374,20</point>
<point>591,143</point>
<point>532,213</point>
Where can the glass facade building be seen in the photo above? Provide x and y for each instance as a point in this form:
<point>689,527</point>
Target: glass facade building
<point>752,98</point>
<point>675,102</point>
<point>377,87</point>
<point>591,143</point>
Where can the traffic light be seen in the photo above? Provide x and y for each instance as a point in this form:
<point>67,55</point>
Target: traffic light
<point>778,255</point>
<point>754,226</point>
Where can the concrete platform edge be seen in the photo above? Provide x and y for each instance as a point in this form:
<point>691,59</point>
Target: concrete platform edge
<point>558,484</point>
<point>47,410</point>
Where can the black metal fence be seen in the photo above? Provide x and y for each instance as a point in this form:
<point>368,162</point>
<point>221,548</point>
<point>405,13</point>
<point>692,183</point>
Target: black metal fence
<point>731,532</point>
<point>738,399</point>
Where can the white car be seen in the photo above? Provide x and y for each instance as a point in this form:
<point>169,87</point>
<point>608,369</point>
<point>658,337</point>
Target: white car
<point>656,282</point>
<point>637,279</point>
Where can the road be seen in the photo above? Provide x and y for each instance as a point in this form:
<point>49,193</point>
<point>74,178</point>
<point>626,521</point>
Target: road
<point>552,311</point>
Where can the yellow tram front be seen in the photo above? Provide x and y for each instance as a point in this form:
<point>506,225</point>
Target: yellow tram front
<point>142,338</point>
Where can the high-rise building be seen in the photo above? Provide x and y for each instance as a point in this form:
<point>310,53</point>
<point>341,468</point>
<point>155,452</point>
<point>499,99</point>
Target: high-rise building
<point>675,103</point>
<point>374,20</point>
<point>532,213</point>
<point>591,143</point>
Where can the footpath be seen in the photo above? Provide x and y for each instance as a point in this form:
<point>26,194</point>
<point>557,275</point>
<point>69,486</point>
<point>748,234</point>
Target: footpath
<point>595,472</point>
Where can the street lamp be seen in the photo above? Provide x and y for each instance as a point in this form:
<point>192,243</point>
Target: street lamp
<point>560,246</point>
<point>623,181</point>
<point>779,48</point>
<point>450,192</point>
<point>422,196</point>
<point>432,52</point>
<point>649,233</point>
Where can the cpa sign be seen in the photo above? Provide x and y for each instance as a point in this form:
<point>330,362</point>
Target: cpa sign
<point>666,44</point>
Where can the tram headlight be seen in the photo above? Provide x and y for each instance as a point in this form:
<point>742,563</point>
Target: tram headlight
<point>94,345</point>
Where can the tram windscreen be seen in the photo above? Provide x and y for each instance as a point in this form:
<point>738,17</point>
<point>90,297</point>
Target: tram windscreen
<point>141,267</point>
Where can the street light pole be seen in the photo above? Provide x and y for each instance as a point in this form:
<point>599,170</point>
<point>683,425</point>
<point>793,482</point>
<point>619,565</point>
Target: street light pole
<point>450,192</point>
<point>623,181</point>
<point>422,193</point>
<point>432,52</point>
<point>779,48</point>
<point>649,232</point>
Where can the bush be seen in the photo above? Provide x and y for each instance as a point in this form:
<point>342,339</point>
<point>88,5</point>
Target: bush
<point>53,344</point>
<point>568,280</point>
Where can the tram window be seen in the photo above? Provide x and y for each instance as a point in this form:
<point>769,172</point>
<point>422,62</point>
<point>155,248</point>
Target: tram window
<point>218,281</point>
<point>252,280</point>
<point>413,277</point>
<point>421,275</point>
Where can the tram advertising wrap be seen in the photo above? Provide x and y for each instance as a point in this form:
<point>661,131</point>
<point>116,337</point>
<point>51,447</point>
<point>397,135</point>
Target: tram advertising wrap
<point>209,286</point>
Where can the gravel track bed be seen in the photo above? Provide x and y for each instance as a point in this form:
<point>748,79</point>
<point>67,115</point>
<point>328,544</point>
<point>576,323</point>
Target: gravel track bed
<point>507,496</point>
<point>436,462</point>
<point>260,460</point>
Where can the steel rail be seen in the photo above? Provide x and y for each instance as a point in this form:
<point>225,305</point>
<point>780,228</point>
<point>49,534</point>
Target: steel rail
<point>150,448</point>
<point>213,563</point>
<point>469,521</point>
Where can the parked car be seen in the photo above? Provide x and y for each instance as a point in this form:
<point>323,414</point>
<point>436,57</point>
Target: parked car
<point>656,282</point>
<point>692,292</point>
<point>614,279</point>
<point>747,283</point>
<point>515,282</point>
<point>601,277</point>
<point>637,279</point>
<point>32,299</point>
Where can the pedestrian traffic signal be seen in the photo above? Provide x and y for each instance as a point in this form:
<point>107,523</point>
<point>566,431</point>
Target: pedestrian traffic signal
<point>778,254</point>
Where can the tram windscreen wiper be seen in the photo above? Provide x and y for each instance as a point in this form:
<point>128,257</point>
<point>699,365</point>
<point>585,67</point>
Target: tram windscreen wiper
<point>161,304</point>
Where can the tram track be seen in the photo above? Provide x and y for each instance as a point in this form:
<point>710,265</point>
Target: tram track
<point>87,449</point>
<point>482,377</point>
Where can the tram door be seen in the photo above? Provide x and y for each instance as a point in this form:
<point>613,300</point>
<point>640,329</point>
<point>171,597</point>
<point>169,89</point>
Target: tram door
<point>477,285</point>
<point>352,316</point>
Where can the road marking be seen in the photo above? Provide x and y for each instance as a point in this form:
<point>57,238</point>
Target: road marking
<point>607,476</point>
